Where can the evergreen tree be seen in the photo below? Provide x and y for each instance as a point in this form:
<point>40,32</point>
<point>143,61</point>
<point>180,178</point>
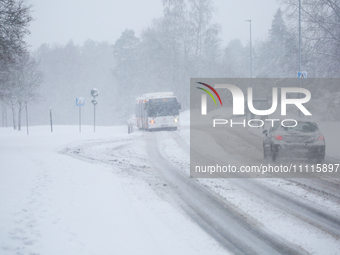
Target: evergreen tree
<point>126,53</point>
<point>235,60</point>
<point>278,57</point>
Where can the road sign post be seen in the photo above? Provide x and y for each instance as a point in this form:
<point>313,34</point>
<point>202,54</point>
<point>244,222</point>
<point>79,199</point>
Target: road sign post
<point>94,93</point>
<point>80,101</point>
<point>302,75</point>
<point>79,119</point>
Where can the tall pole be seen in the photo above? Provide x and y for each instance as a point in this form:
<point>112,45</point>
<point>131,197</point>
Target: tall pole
<point>300,82</point>
<point>3,115</point>
<point>250,51</point>
<point>171,85</point>
<point>94,119</point>
<point>94,93</point>
<point>251,55</point>
<point>300,36</point>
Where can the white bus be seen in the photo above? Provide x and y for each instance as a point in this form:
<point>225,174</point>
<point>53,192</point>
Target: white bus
<point>156,111</point>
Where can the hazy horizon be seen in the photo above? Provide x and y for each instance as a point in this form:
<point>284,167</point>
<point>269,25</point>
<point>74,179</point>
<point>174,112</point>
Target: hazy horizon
<point>61,21</point>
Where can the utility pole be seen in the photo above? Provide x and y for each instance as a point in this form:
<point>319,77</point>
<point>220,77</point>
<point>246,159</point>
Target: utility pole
<point>300,37</point>
<point>250,56</point>
<point>250,52</point>
<point>300,81</point>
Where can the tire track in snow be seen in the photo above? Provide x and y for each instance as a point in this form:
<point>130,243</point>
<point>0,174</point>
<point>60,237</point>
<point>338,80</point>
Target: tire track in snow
<point>308,213</point>
<point>220,220</point>
<point>328,187</point>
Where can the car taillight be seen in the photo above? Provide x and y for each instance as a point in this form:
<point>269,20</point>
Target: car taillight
<point>278,137</point>
<point>321,138</point>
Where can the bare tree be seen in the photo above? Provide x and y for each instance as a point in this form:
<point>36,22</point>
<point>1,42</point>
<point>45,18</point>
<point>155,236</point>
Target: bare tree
<point>321,34</point>
<point>14,20</point>
<point>4,115</point>
<point>200,16</point>
<point>321,44</point>
<point>22,85</point>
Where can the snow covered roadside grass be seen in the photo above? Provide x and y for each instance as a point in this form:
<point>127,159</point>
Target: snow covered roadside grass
<point>51,203</point>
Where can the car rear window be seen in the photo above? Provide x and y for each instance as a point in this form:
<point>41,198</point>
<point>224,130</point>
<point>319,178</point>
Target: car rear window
<point>301,127</point>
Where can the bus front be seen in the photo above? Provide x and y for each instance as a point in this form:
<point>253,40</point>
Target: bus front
<point>163,113</point>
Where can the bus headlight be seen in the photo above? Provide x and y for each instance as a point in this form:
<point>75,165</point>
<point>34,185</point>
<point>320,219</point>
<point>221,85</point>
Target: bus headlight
<point>175,120</point>
<point>152,121</point>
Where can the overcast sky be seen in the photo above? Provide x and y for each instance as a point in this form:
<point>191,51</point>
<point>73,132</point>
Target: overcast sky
<point>58,21</point>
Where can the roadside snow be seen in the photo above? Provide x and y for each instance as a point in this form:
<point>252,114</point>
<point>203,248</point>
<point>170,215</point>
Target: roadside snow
<point>257,211</point>
<point>52,203</point>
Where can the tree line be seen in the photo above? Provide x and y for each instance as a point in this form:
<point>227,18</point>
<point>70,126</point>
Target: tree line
<point>183,43</point>
<point>19,76</point>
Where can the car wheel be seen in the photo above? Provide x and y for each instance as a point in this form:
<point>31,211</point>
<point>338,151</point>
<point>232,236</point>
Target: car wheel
<point>266,155</point>
<point>273,155</point>
<point>320,159</point>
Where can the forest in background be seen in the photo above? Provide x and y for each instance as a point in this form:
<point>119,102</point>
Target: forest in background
<point>183,43</point>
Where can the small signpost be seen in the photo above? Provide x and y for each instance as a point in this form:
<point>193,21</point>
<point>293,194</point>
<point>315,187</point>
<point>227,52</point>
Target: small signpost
<point>302,75</point>
<point>80,101</point>
<point>94,93</point>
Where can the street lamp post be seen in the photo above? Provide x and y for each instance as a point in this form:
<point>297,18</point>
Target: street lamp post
<point>300,36</point>
<point>250,53</point>
<point>300,82</point>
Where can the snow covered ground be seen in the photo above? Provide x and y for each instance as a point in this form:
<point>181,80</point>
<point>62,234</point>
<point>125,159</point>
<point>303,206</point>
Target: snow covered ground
<point>51,203</point>
<point>101,193</point>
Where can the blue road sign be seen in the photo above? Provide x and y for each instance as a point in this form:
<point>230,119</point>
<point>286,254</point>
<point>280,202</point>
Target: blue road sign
<point>80,101</point>
<point>302,75</point>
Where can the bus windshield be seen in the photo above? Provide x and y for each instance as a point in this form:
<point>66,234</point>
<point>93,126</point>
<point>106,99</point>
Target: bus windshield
<point>163,107</point>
